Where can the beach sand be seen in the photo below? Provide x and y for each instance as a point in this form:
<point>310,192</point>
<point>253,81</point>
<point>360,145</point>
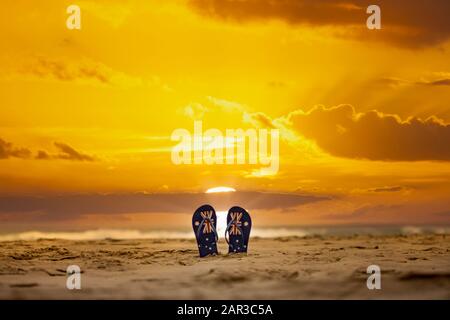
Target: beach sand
<point>331,267</point>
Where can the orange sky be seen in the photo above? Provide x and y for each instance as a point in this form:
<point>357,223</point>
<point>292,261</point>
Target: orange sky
<point>363,114</point>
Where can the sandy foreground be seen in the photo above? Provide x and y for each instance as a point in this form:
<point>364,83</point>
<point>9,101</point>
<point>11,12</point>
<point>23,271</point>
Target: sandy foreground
<point>416,266</point>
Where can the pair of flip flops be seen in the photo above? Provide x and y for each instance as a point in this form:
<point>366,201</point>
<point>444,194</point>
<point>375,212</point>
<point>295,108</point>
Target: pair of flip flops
<point>237,232</point>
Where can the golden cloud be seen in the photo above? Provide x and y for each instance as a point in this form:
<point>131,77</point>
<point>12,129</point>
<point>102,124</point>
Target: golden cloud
<point>8,150</point>
<point>66,152</point>
<point>341,131</point>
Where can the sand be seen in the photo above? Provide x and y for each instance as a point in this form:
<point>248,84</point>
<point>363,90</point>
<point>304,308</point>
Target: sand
<point>416,266</point>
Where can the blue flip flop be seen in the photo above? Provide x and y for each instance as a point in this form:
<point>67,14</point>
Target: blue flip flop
<point>204,222</point>
<point>238,228</point>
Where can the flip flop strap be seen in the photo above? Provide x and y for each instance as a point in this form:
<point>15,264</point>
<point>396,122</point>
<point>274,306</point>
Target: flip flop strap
<point>212,227</point>
<point>227,230</point>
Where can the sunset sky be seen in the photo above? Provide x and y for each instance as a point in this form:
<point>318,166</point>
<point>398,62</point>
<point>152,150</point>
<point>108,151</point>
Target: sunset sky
<point>86,115</point>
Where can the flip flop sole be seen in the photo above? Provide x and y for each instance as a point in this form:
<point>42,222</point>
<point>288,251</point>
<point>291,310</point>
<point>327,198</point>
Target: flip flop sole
<point>206,236</point>
<point>239,231</point>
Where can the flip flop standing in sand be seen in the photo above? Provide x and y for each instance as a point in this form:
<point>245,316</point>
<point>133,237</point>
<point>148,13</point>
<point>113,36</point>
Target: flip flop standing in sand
<point>238,228</point>
<point>204,222</point>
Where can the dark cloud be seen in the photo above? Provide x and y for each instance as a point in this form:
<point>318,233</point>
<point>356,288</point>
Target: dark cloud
<point>43,155</point>
<point>370,209</point>
<point>373,135</point>
<point>63,71</point>
<point>440,82</point>
<point>445,214</point>
<point>72,206</point>
<point>66,152</point>
<point>402,82</point>
<point>69,153</point>
<point>260,119</point>
<point>365,211</point>
<point>8,150</point>
<point>404,22</point>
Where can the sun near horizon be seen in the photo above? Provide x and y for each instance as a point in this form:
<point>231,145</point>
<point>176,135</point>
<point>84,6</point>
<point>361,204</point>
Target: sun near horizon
<point>220,189</point>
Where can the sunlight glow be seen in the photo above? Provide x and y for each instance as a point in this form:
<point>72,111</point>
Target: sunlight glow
<point>220,189</point>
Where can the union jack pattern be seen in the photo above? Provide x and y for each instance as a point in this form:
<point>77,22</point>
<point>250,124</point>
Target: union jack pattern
<point>207,215</point>
<point>236,217</point>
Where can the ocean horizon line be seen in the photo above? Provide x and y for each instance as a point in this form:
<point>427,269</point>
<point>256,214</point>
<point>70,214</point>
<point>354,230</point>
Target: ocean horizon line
<point>131,234</point>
